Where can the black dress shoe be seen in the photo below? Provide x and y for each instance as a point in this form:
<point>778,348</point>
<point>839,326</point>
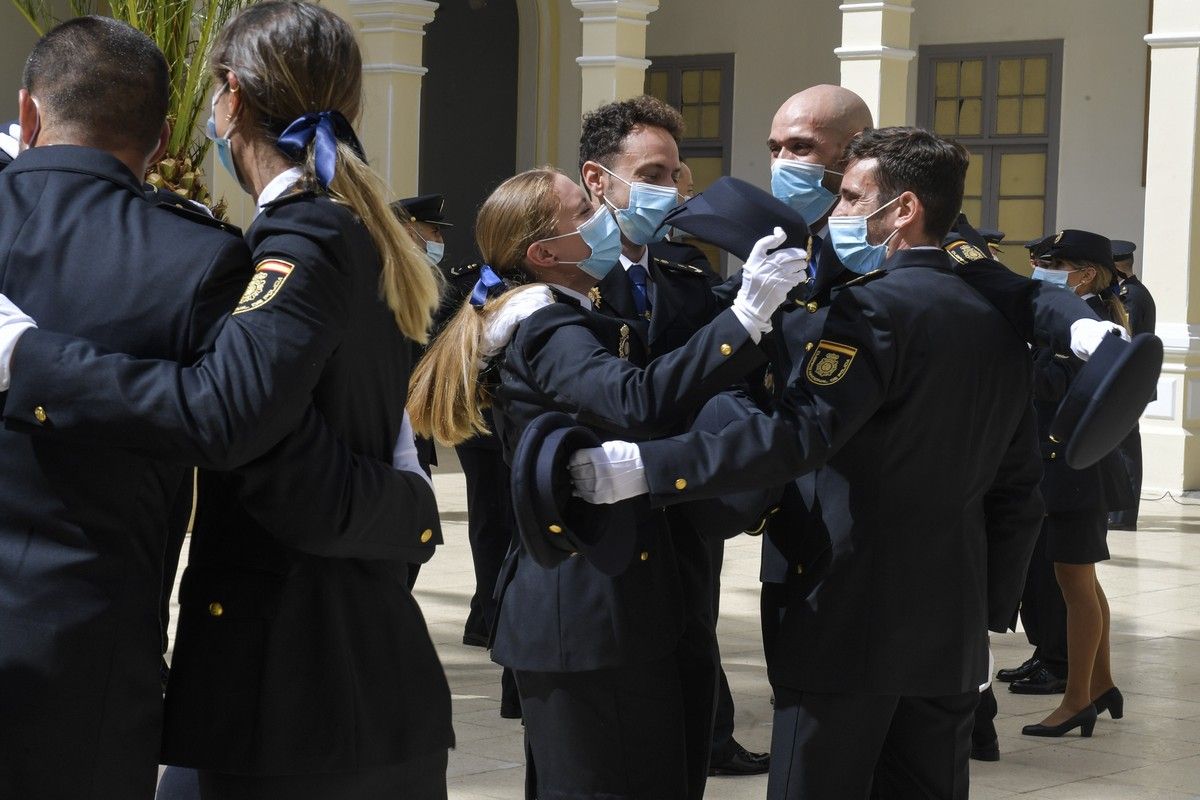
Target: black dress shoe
<point>986,752</point>
<point>740,761</point>
<point>1042,681</point>
<point>1017,673</point>
<point>1111,701</point>
<point>1085,720</point>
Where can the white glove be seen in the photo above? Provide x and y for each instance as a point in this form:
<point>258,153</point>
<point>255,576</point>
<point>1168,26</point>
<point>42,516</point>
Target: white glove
<point>10,140</point>
<point>404,456</point>
<point>13,322</point>
<point>766,281</point>
<point>609,473</point>
<point>1087,334</point>
<point>503,324</point>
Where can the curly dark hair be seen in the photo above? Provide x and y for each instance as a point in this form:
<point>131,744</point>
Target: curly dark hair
<point>605,129</point>
<point>917,161</point>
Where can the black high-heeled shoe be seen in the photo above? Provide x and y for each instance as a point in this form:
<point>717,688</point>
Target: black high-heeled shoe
<point>1111,701</point>
<point>1085,720</point>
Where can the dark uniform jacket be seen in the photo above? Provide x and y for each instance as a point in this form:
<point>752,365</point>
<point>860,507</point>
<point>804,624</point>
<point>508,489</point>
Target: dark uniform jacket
<point>681,297</point>
<point>1139,305</point>
<point>1099,487</point>
<point>567,358</point>
<point>913,403</point>
<point>286,662</point>
<point>82,525</point>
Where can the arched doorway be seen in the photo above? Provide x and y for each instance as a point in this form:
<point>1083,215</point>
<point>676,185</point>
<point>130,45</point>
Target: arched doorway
<point>469,110</point>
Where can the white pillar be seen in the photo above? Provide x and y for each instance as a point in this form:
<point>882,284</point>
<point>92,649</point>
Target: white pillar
<point>1171,449</point>
<point>391,35</point>
<point>614,49</point>
<point>876,54</point>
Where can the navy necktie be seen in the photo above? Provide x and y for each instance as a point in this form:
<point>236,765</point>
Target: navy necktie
<point>641,301</point>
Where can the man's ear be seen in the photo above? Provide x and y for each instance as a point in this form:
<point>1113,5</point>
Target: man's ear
<point>593,179</point>
<point>910,209</point>
<point>160,149</point>
<point>29,118</point>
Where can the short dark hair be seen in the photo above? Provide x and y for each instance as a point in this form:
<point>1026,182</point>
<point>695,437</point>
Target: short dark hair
<point>605,129</point>
<point>103,79</point>
<point>917,161</point>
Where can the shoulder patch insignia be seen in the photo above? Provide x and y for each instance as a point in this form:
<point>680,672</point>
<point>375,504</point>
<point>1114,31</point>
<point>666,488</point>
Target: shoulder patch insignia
<point>829,363</point>
<point>965,252</point>
<point>269,276</point>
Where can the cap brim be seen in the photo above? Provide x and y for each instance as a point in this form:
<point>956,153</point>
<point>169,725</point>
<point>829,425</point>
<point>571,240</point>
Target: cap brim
<point>1107,398</point>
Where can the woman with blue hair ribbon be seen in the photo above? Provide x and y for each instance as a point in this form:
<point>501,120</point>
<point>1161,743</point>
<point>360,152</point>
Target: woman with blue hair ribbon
<point>594,654</point>
<point>303,667</point>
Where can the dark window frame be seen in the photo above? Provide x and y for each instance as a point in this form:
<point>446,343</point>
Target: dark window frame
<point>991,146</point>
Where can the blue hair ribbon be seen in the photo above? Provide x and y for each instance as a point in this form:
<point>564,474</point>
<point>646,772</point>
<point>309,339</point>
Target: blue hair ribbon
<point>327,128</point>
<point>489,285</point>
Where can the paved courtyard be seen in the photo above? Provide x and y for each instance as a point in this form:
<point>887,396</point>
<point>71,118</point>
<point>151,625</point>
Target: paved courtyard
<point>1153,586</point>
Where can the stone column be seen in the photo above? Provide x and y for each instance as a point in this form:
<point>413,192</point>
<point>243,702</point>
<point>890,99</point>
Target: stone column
<point>391,34</point>
<point>875,55</point>
<point>1171,449</point>
<point>614,49</point>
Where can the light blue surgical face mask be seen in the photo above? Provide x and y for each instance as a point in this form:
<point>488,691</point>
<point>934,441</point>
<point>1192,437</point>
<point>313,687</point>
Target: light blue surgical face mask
<point>799,185</point>
<point>221,143</point>
<point>642,219</point>
<point>602,235</point>
<point>434,251</point>
<point>849,238</point>
<point>1056,277</point>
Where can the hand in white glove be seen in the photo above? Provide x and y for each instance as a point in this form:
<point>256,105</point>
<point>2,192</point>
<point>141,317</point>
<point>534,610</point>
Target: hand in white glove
<point>13,322</point>
<point>766,280</point>
<point>404,455</point>
<point>1087,334</point>
<point>503,324</point>
<point>609,473</point>
<point>10,140</point>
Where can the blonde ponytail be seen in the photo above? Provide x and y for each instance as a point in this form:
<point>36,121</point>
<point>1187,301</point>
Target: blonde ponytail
<point>445,396</point>
<point>408,283</point>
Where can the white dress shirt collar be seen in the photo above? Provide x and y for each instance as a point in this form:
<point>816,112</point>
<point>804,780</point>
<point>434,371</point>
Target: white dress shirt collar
<point>277,186</point>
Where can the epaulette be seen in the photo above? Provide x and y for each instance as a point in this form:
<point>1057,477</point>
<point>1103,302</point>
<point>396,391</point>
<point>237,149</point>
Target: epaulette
<point>682,269</point>
<point>861,279</point>
<point>964,252</point>
<point>460,270</point>
<point>182,207</point>
<point>290,197</point>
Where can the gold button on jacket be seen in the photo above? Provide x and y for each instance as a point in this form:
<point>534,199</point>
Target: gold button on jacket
<point>426,535</point>
<point>39,414</point>
<point>216,609</point>
<point>681,484</point>
<point>726,350</point>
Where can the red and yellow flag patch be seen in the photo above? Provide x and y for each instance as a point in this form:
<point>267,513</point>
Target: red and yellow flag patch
<point>269,276</point>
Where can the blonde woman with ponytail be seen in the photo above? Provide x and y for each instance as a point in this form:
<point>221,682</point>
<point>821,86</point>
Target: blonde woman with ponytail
<point>594,656</point>
<point>302,666</point>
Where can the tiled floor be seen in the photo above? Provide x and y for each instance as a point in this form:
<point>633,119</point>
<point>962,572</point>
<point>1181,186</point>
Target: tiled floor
<point>1153,586</point>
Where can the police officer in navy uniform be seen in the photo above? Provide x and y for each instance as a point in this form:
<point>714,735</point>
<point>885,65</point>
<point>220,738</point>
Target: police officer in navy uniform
<point>886,707</point>
<point>80,646</point>
<point>297,550</point>
<point>422,217</point>
<point>1139,304</point>
<point>628,152</point>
